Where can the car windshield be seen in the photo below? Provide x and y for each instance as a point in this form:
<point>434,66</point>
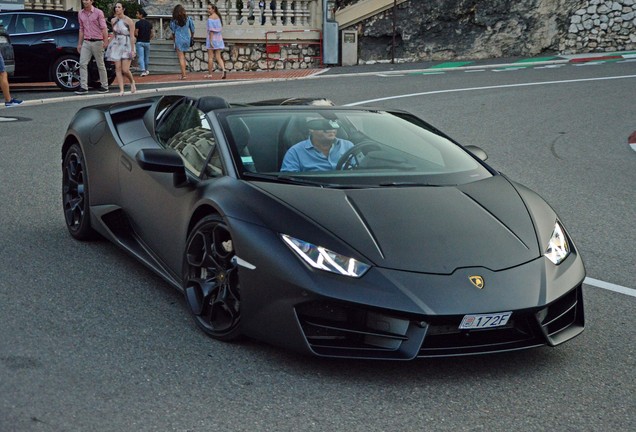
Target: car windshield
<point>334,147</point>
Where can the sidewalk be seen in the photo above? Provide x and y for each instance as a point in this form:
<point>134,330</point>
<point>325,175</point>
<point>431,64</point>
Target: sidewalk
<point>198,78</point>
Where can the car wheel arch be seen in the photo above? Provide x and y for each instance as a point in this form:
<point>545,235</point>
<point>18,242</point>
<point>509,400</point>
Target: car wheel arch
<point>201,212</point>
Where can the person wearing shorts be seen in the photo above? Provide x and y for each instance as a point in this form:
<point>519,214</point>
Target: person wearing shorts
<point>4,84</point>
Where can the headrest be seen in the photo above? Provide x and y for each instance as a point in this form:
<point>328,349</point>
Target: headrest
<point>322,124</point>
<point>209,103</point>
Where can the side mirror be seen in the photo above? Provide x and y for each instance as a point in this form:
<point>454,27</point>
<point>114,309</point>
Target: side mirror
<point>165,161</point>
<point>477,151</point>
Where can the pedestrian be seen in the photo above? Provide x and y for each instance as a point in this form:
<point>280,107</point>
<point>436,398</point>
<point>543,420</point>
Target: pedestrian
<point>143,33</point>
<point>93,40</point>
<point>214,40</point>
<point>182,28</point>
<point>121,49</point>
<point>4,84</point>
<point>261,6</point>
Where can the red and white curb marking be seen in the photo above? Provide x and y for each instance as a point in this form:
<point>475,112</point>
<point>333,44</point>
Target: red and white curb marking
<point>632,140</point>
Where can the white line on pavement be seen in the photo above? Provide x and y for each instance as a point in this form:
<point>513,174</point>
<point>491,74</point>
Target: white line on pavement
<point>489,88</point>
<point>610,287</point>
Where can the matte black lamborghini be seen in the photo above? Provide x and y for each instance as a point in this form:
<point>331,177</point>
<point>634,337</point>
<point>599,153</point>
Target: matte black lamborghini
<point>410,246</point>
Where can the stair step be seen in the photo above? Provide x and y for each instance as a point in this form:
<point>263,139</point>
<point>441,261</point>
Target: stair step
<point>163,58</point>
<point>164,61</point>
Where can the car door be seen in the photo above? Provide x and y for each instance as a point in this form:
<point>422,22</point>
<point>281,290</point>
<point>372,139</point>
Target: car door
<point>33,43</point>
<point>159,210</point>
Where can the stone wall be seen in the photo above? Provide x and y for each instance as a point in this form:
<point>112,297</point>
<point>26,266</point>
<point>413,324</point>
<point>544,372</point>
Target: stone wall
<point>462,29</point>
<point>600,25</point>
<point>252,57</point>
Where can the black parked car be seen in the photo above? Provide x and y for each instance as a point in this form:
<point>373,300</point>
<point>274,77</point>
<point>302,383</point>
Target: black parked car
<point>45,45</point>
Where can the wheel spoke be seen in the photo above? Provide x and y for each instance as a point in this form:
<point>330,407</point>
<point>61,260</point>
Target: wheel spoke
<point>199,294</point>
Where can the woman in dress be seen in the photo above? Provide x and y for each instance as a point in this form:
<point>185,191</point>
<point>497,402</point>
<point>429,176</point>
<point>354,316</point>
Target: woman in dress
<point>214,41</point>
<point>182,28</point>
<point>121,49</point>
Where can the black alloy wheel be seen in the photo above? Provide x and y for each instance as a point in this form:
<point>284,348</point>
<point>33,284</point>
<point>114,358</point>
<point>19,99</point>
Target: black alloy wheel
<point>211,282</point>
<point>75,194</point>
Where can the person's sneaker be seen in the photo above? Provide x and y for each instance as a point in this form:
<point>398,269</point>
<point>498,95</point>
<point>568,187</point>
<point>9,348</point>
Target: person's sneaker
<point>13,102</point>
<point>103,90</point>
<point>81,91</point>
<point>145,73</point>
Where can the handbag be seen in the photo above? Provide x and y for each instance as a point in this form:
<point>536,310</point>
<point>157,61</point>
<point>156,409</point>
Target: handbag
<point>191,41</point>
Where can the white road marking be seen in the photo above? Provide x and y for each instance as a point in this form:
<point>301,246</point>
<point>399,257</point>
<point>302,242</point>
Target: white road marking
<point>508,69</point>
<point>489,88</point>
<point>610,287</point>
<point>588,281</point>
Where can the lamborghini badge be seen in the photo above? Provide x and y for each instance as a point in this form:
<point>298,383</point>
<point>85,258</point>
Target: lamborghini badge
<point>478,281</point>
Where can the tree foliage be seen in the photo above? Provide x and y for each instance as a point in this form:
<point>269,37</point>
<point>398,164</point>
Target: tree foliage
<point>108,7</point>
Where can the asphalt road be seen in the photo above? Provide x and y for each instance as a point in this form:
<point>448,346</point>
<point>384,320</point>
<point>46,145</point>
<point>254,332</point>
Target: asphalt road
<point>92,341</point>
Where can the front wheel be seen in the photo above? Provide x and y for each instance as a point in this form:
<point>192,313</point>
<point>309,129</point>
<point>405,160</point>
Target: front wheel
<point>75,200</point>
<point>211,282</point>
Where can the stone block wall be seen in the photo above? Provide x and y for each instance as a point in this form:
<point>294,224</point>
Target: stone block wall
<point>600,25</point>
<point>252,57</point>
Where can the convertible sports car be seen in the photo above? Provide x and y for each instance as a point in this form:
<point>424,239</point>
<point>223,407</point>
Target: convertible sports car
<point>410,246</point>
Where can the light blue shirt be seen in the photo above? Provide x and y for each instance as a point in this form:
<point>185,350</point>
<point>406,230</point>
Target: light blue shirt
<point>305,157</point>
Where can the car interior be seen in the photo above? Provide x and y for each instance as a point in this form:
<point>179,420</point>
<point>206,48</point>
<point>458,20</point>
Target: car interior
<point>184,127</point>
<point>276,133</point>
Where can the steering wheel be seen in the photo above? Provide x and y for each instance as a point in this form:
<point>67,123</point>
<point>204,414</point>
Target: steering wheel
<point>351,158</point>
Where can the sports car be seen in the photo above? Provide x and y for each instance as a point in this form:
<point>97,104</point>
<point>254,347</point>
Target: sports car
<point>408,245</point>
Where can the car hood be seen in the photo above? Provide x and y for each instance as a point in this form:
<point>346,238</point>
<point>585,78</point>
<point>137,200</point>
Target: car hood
<point>423,229</point>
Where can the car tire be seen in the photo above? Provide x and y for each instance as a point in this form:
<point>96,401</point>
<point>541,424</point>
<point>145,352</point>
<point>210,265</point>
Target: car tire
<point>75,194</point>
<point>211,283</point>
<point>65,72</point>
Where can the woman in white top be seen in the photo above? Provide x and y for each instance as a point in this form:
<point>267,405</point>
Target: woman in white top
<point>121,49</point>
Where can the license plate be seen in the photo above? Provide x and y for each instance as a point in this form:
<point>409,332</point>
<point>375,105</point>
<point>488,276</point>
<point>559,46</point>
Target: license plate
<point>485,320</point>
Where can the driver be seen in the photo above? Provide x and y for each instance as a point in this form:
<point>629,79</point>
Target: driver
<point>320,151</point>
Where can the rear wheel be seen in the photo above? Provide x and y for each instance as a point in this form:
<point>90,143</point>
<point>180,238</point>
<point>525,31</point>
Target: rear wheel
<point>75,194</point>
<point>65,72</point>
<point>211,279</point>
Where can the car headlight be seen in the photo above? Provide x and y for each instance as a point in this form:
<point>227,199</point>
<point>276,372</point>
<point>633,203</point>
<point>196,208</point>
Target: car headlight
<point>323,259</point>
<point>558,247</point>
